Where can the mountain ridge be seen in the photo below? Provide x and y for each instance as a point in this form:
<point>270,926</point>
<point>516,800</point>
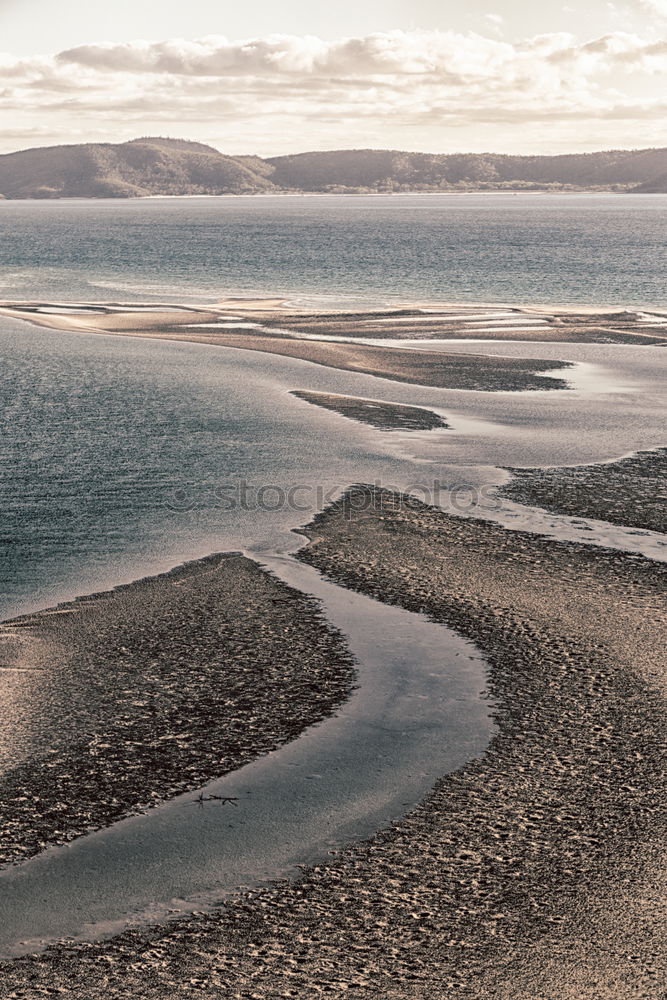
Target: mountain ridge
<point>156,165</point>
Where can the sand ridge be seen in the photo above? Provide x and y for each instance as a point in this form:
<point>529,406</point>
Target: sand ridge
<point>534,872</point>
<point>474,372</point>
<point>155,687</point>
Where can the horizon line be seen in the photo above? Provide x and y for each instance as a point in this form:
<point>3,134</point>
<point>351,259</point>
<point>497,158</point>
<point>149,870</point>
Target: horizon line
<point>340,149</point>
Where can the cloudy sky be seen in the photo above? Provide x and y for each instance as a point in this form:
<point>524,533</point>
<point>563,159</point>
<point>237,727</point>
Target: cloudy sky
<point>268,77</point>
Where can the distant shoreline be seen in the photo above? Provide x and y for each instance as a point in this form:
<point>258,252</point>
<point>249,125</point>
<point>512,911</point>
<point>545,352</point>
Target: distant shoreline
<point>509,192</point>
<point>156,165</point>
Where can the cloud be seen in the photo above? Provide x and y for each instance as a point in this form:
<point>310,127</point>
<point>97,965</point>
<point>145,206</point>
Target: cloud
<point>378,84</point>
<point>441,55</point>
<point>495,21</point>
<point>656,7</point>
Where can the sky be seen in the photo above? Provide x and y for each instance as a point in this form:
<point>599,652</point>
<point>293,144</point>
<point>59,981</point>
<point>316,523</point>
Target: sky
<point>263,77</point>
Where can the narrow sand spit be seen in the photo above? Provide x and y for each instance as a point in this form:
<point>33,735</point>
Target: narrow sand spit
<point>153,688</point>
<point>536,872</point>
<point>334,339</point>
<point>475,372</point>
<point>453,371</point>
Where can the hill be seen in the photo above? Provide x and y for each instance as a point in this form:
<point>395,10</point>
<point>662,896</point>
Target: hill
<point>656,186</point>
<point>128,170</point>
<point>161,166</point>
<point>392,170</point>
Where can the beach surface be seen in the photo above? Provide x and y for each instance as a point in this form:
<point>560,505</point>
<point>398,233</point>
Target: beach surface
<point>249,330</point>
<point>133,696</point>
<point>536,871</point>
<point>490,322</point>
<point>631,492</point>
<point>412,321</point>
<point>359,341</point>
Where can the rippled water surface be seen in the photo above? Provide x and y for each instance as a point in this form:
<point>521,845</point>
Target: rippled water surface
<point>121,457</point>
<point>596,249</point>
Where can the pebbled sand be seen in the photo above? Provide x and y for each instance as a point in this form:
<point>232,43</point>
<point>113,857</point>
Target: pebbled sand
<point>154,688</point>
<point>534,873</point>
<point>630,492</point>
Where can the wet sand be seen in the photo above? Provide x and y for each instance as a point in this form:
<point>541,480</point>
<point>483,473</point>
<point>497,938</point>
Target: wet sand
<point>534,872</point>
<point>485,322</point>
<point>386,416</point>
<point>416,713</point>
<point>474,372</point>
<point>412,321</point>
<point>154,688</point>
<point>630,492</point>
<point>250,333</point>
<point>333,339</point>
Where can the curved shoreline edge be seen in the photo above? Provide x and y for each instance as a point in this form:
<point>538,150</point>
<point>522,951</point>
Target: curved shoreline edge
<point>630,491</point>
<point>241,327</point>
<point>152,689</point>
<point>522,875</point>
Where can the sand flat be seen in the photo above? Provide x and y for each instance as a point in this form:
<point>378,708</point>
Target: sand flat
<point>377,413</point>
<point>473,372</point>
<point>534,871</point>
<point>154,687</point>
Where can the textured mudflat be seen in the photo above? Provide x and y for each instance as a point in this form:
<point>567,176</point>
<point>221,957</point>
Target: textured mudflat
<point>535,872</point>
<point>631,492</point>
<point>485,322</point>
<point>386,416</point>
<point>432,368</point>
<point>154,688</point>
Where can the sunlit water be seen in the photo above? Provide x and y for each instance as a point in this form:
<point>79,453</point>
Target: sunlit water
<point>122,457</point>
<point>595,249</point>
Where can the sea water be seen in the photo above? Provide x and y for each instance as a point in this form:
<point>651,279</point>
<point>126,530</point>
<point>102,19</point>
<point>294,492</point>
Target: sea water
<point>590,249</point>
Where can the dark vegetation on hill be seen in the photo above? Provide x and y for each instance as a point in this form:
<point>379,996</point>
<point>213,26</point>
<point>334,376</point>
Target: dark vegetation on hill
<point>160,166</point>
<point>656,186</point>
<point>128,170</point>
<point>391,171</point>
